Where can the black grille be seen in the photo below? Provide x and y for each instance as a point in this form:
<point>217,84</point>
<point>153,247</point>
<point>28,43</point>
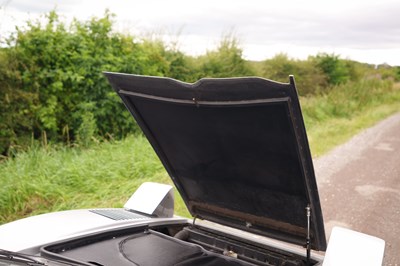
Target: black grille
<point>118,214</point>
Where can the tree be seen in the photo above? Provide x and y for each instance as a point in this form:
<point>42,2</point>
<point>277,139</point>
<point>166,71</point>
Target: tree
<point>309,78</point>
<point>336,70</point>
<point>54,72</point>
<point>16,117</point>
<point>226,61</point>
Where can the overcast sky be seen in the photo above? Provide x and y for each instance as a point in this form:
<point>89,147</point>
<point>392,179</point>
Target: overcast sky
<point>362,30</point>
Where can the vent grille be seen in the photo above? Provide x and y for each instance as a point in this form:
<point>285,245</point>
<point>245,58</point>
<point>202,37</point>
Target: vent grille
<point>118,214</point>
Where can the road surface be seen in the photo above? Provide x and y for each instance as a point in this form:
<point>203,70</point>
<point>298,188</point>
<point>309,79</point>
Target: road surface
<point>359,185</point>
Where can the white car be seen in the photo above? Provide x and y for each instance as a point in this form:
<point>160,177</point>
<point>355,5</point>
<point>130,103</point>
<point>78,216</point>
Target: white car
<point>237,152</point>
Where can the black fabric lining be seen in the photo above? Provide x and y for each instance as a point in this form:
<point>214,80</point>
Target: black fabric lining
<point>155,249</point>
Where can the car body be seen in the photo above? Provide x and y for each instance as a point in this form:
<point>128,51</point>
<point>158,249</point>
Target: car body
<point>237,152</point>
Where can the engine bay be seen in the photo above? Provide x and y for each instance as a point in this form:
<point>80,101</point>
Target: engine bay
<point>168,245</point>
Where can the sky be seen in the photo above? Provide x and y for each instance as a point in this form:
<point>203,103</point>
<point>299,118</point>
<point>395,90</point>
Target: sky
<point>362,30</point>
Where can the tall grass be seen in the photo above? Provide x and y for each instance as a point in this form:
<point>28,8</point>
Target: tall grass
<point>53,178</point>
<point>333,117</point>
<point>59,178</point>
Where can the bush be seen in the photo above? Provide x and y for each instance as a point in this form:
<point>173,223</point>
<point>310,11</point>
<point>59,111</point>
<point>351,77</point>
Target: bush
<point>336,70</point>
<point>50,71</point>
<point>16,107</point>
<point>52,86</point>
<point>226,61</point>
<point>309,78</point>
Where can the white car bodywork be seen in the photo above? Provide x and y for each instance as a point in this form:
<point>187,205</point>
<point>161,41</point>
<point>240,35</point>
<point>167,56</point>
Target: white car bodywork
<point>346,247</point>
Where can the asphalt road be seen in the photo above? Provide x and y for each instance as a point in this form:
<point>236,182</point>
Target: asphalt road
<point>359,185</point>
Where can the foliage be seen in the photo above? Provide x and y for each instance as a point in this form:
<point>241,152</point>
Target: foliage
<point>336,70</point>
<point>15,108</point>
<point>309,78</point>
<point>396,71</point>
<point>54,70</point>
<point>58,178</point>
<point>344,100</point>
<point>62,68</point>
<point>226,61</point>
<point>87,128</point>
<point>52,87</point>
<point>336,115</point>
<point>386,72</point>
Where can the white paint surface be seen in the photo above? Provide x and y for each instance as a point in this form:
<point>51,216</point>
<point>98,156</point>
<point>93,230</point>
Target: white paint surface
<point>347,247</point>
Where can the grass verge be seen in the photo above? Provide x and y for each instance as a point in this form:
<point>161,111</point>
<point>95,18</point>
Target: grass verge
<point>59,178</point>
<point>334,117</point>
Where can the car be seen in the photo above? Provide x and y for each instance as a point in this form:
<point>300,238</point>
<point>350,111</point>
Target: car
<point>236,150</point>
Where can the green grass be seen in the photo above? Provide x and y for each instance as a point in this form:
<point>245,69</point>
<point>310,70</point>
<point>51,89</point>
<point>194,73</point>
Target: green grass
<point>53,179</point>
<point>334,117</point>
<point>105,175</point>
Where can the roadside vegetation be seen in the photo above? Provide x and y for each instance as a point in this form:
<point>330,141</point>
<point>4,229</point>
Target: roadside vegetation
<point>66,140</point>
